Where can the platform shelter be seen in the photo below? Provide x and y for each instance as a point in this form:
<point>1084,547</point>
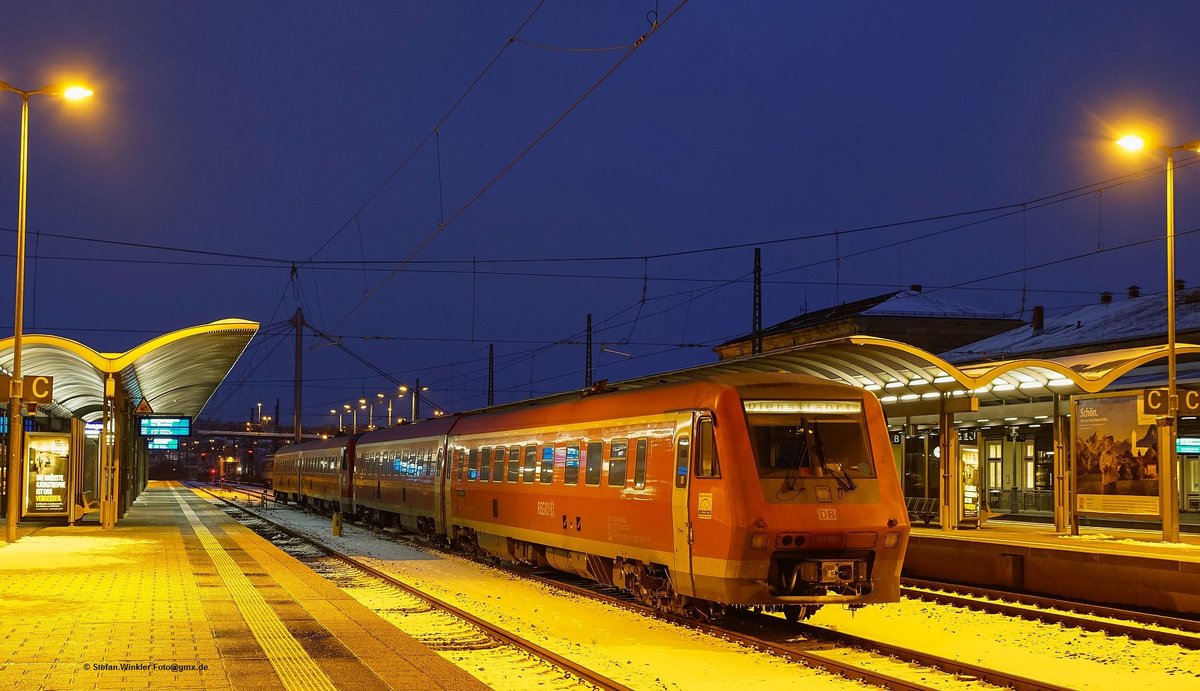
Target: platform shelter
<point>81,450</point>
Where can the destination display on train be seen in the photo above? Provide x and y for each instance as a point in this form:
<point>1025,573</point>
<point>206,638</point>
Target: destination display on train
<point>164,426</point>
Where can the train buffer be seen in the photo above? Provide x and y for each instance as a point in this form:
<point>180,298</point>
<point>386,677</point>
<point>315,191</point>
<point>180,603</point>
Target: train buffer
<point>924,509</point>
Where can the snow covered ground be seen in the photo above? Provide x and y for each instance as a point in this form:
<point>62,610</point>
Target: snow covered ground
<point>645,653</point>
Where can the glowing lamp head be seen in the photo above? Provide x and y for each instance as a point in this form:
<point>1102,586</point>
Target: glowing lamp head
<point>76,93</point>
<point>1131,142</point>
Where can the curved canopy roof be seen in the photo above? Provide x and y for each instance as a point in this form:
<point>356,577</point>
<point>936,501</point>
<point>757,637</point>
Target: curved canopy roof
<point>903,375</point>
<point>176,373</point>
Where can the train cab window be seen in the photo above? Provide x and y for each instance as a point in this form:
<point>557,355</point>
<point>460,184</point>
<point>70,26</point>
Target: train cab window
<point>546,474</point>
<point>595,462</point>
<point>530,463</point>
<point>683,447</point>
<point>639,464</point>
<point>514,463</point>
<point>571,467</point>
<point>485,464</point>
<point>706,458</point>
<point>617,450</point>
<point>790,445</point>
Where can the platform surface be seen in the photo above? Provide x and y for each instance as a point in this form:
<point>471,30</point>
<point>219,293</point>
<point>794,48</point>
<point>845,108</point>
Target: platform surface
<point>181,596</point>
<point>1114,540</point>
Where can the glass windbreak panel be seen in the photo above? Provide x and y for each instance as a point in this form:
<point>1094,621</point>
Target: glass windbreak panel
<point>617,451</point>
<point>514,463</point>
<point>595,462</point>
<point>795,444</point>
<point>530,463</point>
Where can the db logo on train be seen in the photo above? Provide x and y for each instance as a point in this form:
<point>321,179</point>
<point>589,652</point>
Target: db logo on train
<point>826,514</point>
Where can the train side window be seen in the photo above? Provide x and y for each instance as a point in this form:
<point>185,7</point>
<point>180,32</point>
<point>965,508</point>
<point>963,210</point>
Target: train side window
<point>617,451</point>
<point>498,464</point>
<point>473,464</point>
<point>682,456</point>
<point>595,462</point>
<point>458,463</point>
<point>485,464</point>
<point>530,463</point>
<point>706,460</point>
<point>639,464</point>
<point>546,476</point>
<point>571,467</point>
<point>514,463</point>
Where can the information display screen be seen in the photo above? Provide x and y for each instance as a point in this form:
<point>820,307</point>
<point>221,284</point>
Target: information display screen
<point>164,426</point>
<point>162,444</point>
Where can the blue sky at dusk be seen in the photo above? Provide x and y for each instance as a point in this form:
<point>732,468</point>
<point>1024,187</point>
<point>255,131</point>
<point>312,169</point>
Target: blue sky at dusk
<point>228,140</point>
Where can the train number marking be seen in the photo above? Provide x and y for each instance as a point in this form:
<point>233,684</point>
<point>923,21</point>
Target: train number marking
<point>827,514</point>
<point>545,508</point>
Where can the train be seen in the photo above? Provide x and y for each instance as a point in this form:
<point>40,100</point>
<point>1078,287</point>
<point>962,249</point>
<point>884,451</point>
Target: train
<point>768,491</point>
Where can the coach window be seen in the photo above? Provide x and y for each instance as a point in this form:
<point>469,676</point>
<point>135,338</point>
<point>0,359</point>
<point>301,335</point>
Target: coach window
<point>546,474</point>
<point>639,464</point>
<point>530,463</point>
<point>473,464</point>
<point>595,462</point>
<point>571,467</point>
<point>682,454</point>
<point>485,464</point>
<point>706,459</point>
<point>498,464</point>
<point>514,463</point>
<point>617,451</point>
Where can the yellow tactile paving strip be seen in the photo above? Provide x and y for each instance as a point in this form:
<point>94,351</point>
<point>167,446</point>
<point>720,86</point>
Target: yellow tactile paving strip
<point>147,606</point>
<point>295,668</point>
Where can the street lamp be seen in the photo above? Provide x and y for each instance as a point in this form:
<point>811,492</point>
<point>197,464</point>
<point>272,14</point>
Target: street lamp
<point>354,417</point>
<point>1170,508</point>
<point>16,390</point>
<point>338,413</point>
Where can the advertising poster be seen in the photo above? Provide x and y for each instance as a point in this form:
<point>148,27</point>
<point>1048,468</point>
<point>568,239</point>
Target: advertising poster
<point>47,460</point>
<point>1116,456</point>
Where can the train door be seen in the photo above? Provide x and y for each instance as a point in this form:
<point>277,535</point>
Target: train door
<point>441,486</point>
<point>680,508</point>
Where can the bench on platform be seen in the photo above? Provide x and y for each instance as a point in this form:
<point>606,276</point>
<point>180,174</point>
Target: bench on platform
<point>924,509</point>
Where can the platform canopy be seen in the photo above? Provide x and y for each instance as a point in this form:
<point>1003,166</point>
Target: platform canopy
<point>175,373</point>
<point>907,377</point>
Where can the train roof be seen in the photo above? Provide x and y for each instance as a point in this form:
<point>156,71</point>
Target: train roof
<point>318,445</point>
<point>416,430</point>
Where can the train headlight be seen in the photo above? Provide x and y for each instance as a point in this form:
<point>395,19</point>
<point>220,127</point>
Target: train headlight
<point>758,541</point>
<point>891,539</point>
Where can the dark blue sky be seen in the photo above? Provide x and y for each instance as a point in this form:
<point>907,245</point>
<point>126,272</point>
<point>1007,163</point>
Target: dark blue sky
<point>270,131</point>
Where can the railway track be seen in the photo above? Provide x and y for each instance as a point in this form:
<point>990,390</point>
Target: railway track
<point>457,630</point>
<point>1159,628</point>
<point>834,651</point>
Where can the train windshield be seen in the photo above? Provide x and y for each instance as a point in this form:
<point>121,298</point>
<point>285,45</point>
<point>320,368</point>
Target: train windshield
<point>796,439</point>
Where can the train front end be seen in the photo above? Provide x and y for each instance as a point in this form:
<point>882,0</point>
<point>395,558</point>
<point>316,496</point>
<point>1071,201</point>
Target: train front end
<point>816,512</point>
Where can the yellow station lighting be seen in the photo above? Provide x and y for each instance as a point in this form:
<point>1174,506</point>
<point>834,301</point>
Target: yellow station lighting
<point>76,92</point>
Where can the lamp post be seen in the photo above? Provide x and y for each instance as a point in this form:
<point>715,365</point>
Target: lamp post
<point>1169,504</point>
<point>353,417</point>
<point>339,414</point>
<point>16,390</point>
<point>382,398</point>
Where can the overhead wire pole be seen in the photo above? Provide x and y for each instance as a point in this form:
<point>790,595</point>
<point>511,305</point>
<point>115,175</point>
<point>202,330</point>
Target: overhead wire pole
<point>491,375</point>
<point>757,342</point>
<point>298,322</point>
<point>587,369</point>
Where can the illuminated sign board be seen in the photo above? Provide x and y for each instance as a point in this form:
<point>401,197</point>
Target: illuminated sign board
<point>802,407</point>
<point>164,426</point>
<point>30,424</point>
<point>1187,445</point>
<point>162,444</point>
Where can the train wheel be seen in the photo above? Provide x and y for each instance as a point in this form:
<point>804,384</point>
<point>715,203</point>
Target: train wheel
<point>795,613</point>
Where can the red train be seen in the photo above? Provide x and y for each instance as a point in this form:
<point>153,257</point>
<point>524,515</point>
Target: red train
<point>768,490</point>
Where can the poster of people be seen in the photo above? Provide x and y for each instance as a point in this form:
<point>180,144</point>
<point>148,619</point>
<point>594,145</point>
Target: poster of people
<point>47,459</point>
<point>1116,456</point>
